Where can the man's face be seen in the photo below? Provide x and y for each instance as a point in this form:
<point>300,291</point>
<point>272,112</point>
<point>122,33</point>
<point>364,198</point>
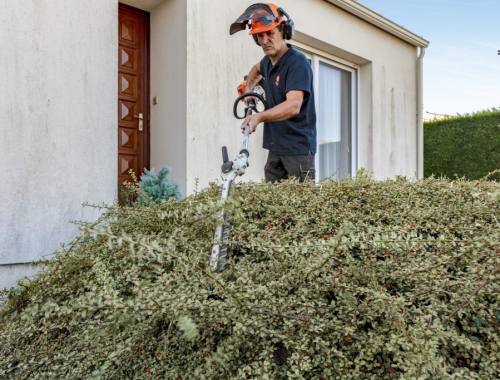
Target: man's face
<point>272,41</point>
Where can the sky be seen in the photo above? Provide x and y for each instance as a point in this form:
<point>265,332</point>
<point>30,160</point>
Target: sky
<point>461,64</point>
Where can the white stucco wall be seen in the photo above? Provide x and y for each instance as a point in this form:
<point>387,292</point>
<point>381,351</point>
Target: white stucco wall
<point>216,62</point>
<point>168,82</point>
<point>58,131</point>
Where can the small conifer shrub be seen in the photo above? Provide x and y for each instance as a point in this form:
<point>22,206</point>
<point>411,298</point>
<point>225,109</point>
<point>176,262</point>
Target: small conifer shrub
<point>159,187</point>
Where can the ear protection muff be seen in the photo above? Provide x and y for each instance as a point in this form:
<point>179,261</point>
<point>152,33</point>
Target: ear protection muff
<point>288,26</point>
<point>256,39</point>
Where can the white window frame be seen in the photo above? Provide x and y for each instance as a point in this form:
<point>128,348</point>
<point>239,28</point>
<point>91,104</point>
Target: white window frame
<point>316,56</point>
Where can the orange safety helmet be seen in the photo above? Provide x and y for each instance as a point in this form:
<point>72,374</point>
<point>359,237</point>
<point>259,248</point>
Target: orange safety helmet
<point>262,17</point>
<point>258,26</point>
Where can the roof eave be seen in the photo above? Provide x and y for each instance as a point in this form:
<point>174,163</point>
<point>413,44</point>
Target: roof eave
<point>380,21</point>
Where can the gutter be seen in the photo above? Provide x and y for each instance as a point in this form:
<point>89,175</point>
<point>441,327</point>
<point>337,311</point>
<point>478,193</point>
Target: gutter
<point>380,21</point>
<point>420,114</point>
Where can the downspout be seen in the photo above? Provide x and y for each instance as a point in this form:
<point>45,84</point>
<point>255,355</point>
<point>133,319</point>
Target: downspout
<point>420,115</point>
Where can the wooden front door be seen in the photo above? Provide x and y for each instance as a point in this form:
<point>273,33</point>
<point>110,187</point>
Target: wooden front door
<point>133,92</point>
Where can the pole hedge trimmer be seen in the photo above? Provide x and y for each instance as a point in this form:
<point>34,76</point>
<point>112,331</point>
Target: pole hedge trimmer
<point>230,170</point>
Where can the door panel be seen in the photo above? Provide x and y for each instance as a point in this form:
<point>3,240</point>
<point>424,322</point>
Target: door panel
<point>133,91</point>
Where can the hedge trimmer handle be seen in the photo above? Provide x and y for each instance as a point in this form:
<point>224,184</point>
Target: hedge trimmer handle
<point>225,155</point>
<point>251,103</point>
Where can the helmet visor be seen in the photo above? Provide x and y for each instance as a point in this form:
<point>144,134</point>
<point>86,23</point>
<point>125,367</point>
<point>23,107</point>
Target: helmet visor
<point>260,12</point>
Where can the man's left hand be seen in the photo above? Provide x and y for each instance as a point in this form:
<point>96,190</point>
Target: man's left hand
<point>252,121</point>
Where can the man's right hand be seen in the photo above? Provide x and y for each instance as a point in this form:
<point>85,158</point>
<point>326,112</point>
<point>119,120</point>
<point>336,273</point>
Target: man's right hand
<point>252,121</point>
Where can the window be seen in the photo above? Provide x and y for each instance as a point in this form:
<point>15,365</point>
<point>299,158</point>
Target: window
<point>335,96</point>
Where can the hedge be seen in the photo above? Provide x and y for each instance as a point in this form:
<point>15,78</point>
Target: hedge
<point>352,279</point>
<point>465,146</point>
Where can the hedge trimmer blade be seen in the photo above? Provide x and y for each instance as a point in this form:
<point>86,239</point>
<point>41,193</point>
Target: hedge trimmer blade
<point>219,249</point>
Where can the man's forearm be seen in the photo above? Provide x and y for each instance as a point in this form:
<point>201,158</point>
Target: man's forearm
<point>283,111</point>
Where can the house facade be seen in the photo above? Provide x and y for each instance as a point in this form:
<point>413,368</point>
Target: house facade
<point>93,89</point>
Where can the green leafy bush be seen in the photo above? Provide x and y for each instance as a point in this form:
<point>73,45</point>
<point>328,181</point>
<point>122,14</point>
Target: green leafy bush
<point>465,146</point>
<point>340,280</point>
<point>159,187</point>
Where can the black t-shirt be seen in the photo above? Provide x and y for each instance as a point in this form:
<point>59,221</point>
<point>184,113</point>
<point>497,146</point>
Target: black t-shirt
<point>296,135</point>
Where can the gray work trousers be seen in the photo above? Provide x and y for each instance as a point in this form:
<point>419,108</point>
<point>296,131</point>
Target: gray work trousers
<point>279,167</point>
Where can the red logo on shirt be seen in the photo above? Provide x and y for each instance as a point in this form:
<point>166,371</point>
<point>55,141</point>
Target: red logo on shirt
<point>277,83</point>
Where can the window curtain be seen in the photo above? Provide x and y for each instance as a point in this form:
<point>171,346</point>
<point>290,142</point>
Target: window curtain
<point>333,122</point>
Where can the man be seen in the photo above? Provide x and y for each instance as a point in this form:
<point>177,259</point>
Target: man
<point>290,121</point>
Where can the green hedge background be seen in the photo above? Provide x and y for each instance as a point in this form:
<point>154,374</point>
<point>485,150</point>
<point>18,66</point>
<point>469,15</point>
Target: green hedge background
<point>468,145</point>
